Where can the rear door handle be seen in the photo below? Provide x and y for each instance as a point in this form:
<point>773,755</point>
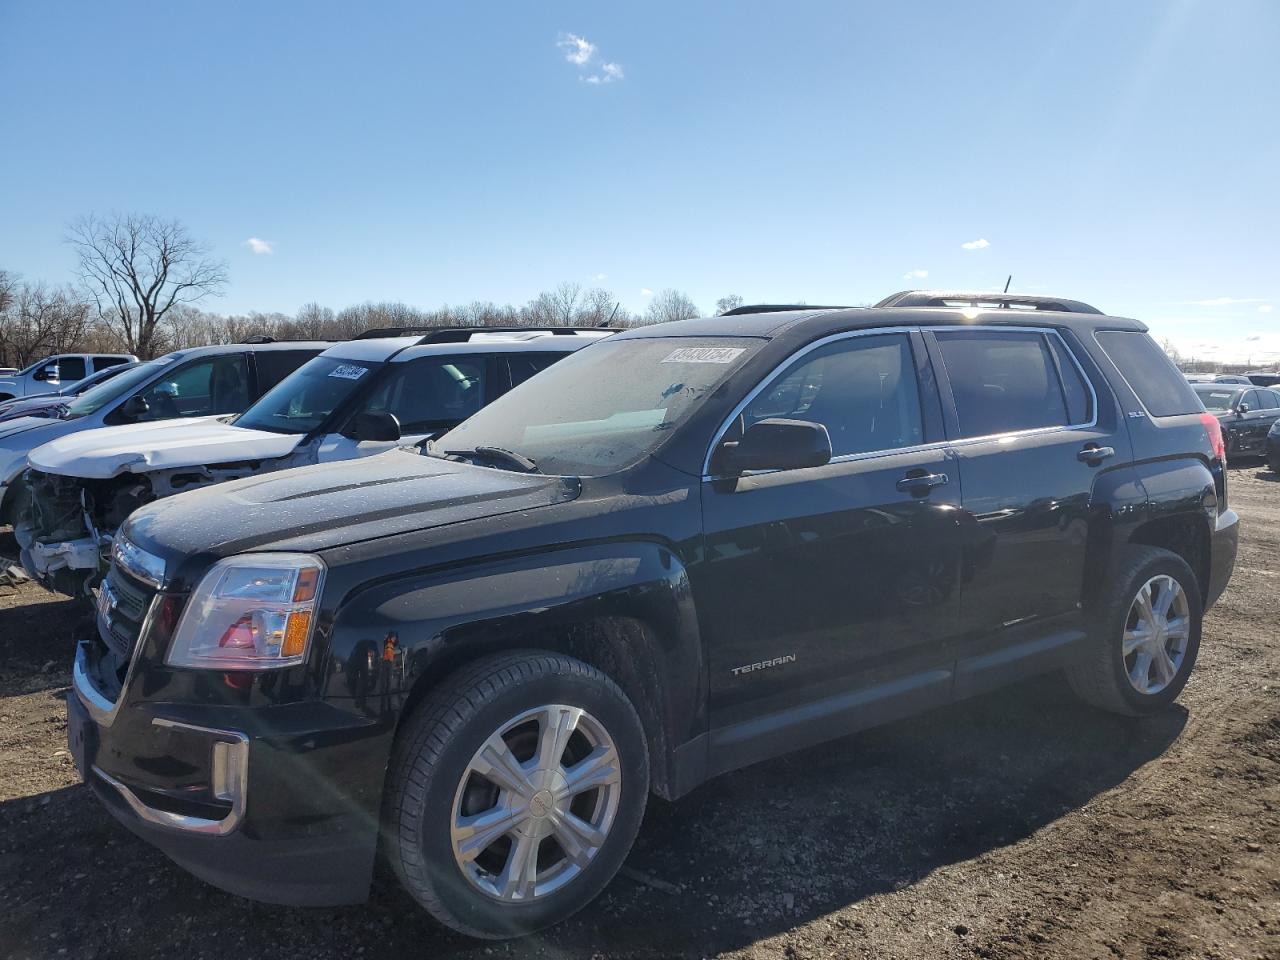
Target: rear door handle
<point>1094,454</point>
<point>922,483</point>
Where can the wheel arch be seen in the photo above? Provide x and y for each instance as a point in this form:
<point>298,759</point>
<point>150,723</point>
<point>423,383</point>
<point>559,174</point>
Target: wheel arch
<point>1186,534</point>
<point>624,608</point>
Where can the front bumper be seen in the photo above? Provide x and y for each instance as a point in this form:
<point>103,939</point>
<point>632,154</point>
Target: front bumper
<point>277,804</point>
<point>1222,561</point>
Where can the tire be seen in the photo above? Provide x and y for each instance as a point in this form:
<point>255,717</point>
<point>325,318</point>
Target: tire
<point>1108,678</point>
<point>506,703</point>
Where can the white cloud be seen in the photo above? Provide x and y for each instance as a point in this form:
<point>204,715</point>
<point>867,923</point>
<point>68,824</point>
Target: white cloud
<point>580,51</point>
<point>601,276</point>
<point>1265,308</point>
<point>1222,301</point>
<point>577,50</point>
<point>915,274</point>
<point>609,72</point>
<point>979,244</point>
<point>646,292</point>
<point>258,245</point>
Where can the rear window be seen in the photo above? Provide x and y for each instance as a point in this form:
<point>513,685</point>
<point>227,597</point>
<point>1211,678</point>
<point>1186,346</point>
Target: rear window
<point>1004,381</point>
<point>1149,371</point>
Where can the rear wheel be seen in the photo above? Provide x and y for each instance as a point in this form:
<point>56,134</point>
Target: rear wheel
<point>1145,635</point>
<point>515,792</point>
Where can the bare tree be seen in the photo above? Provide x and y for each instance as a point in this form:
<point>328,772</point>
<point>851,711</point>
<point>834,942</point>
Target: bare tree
<point>137,268</point>
<point>37,320</point>
<point>670,305</point>
<point>725,304</point>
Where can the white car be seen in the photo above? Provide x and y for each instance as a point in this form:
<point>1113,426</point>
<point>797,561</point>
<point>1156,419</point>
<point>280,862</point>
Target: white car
<point>53,373</point>
<point>356,399</point>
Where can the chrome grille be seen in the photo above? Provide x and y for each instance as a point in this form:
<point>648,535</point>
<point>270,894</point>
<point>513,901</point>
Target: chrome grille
<point>123,602</point>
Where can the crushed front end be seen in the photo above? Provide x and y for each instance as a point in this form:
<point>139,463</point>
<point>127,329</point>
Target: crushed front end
<point>66,524</point>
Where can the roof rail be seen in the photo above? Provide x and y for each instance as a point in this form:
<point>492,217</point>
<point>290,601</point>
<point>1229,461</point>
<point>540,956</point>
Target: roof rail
<point>775,308</point>
<point>260,338</point>
<point>455,334</point>
<point>981,298</point>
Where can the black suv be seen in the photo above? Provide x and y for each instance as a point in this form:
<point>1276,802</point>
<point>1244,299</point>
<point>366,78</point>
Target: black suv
<point>680,550</point>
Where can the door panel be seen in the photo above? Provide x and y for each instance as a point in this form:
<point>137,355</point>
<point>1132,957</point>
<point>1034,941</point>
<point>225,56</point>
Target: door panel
<point>826,592</point>
<point>835,572</point>
<point>1027,489</point>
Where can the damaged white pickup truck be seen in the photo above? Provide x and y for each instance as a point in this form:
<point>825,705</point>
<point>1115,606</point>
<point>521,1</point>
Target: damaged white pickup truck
<point>354,400</point>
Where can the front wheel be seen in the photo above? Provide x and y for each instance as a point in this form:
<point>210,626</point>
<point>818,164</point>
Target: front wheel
<point>1145,635</point>
<point>515,792</point>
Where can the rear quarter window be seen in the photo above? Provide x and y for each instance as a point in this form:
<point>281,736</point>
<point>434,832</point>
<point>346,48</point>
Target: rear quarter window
<point>1160,386</point>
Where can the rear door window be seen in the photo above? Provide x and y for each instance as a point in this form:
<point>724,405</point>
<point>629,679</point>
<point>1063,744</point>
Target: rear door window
<point>70,368</point>
<point>1147,369</point>
<point>1004,381</point>
<point>275,365</point>
<point>101,363</point>
<point>525,365</point>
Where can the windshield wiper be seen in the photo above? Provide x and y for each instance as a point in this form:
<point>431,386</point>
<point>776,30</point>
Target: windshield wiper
<point>510,458</point>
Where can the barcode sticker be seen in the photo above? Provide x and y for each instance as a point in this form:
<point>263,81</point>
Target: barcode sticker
<point>704,355</point>
<point>348,371</point>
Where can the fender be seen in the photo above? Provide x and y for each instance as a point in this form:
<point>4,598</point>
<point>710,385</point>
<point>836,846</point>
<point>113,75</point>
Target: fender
<point>623,606</point>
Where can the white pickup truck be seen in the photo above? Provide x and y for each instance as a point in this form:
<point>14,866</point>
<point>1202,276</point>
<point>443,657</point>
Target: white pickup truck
<point>53,373</point>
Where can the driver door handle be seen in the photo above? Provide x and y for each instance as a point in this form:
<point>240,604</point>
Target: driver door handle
<point>1095,454</point>
<point>921,483</point>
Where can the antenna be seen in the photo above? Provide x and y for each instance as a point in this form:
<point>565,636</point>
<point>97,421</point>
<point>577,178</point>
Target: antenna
<point>609,322</point>
<point>1007,282</point>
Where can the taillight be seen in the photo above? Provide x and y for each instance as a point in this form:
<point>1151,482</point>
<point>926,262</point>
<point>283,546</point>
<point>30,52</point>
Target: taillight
<point>1214,429</point>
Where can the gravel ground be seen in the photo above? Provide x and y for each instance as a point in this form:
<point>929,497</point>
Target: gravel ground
<point>1020,824</point>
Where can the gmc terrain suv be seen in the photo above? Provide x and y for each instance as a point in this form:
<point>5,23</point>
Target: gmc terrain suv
<point>356,399</point>
<point>678,551</point>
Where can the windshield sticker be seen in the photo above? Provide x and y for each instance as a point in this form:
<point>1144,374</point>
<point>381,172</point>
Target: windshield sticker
<point>704,355</point>
<point>348,371</point>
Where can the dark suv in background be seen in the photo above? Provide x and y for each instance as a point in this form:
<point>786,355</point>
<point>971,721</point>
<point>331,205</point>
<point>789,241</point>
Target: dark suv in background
<point>680,550</point>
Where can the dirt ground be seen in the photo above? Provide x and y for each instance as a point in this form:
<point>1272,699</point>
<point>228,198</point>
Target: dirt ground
<point>1020,824</point>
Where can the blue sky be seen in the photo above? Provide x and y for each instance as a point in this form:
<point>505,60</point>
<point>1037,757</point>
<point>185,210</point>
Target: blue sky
<point>1127,154</point>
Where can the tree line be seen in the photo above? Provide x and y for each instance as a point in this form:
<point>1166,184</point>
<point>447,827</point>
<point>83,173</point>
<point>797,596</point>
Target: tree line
<point>138,280</point>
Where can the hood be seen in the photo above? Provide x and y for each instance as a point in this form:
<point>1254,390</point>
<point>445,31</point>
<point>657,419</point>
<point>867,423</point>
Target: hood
<point>45,407</point>
<point>13,428</point>
<point>328,505</point>
<point>142,447</point>
<point>19,437</point>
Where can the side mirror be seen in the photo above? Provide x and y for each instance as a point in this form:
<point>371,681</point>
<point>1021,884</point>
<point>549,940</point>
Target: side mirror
<point>375,425</point>
<point>135,408</point>
<point>47,373</point>
<point>775,444</point>
<point>1242,409</point>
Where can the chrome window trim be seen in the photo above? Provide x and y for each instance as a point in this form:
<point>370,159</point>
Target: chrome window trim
<point>935,445</point>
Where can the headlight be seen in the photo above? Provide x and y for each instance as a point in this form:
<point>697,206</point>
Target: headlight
<point>1275,430</point>
<point>251,612</point>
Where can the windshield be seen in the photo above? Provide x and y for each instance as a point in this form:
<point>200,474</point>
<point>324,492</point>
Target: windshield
<point>1216,398</point>
<point>91,401</point>
<point>606,406</point>
<point>303,400</point>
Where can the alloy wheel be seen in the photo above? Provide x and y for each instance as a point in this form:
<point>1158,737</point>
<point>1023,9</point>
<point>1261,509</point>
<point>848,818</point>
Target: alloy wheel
<point>1156,635</point>
<point>536,803</point>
